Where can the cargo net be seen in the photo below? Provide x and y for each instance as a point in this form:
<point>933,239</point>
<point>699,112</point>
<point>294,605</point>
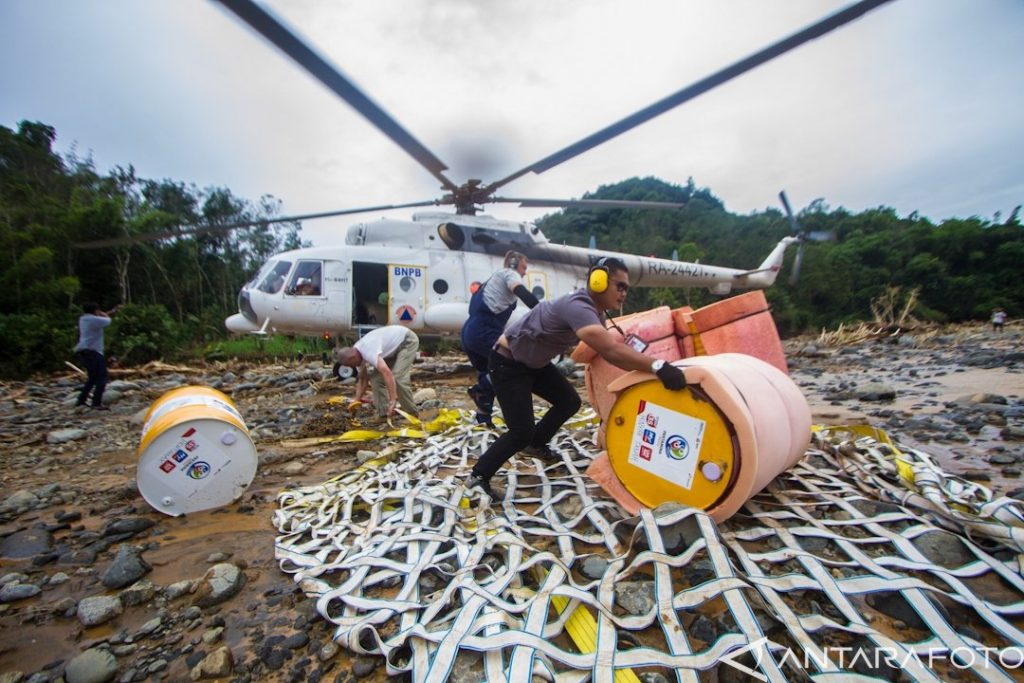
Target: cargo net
<point>837,572</point>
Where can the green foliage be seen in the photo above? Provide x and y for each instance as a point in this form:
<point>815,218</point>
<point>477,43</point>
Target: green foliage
<point>40,341</point>
<point>961,268</point>
<point>141,333</point>
<point>258,348</point>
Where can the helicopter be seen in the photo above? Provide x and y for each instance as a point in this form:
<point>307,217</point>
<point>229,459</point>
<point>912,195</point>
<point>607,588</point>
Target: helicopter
<point>421,273</point>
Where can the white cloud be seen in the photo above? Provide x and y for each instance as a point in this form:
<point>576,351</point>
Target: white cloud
<point>913,106</point>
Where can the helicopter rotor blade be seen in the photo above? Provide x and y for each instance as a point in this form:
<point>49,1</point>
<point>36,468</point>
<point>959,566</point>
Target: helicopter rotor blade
<point>588,203</point>
<point>289,42</point>
<point>794,226</point>
<point>716,79</point>
<point>228,227</point>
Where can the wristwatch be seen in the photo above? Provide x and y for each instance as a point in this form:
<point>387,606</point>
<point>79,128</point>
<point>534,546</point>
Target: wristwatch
<point>657,365</point>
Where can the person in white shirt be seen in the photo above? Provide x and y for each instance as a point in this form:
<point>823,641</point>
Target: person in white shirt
<point>90,353</point>
<point>384,358</point>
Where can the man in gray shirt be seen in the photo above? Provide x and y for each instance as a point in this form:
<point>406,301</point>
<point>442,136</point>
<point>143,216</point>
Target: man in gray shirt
<point>521,365</point>
<point>90,353</point>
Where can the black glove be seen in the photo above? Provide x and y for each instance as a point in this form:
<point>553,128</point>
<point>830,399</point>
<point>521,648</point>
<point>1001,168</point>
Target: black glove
<point>671,377</point>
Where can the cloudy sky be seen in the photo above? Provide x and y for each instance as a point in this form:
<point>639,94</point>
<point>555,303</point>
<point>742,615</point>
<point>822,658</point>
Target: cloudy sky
<point>916,106</point>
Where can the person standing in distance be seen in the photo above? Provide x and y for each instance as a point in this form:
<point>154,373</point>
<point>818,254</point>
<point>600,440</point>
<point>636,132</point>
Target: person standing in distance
<point>521,365</point>
<point>89,351</point>
<point>390,351</point>
<point>998,319</point>
<point>490,307</point>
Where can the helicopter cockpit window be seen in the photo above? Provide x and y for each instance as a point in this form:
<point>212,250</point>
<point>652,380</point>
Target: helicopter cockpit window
<point>274,279</point>
<point>306,280</point>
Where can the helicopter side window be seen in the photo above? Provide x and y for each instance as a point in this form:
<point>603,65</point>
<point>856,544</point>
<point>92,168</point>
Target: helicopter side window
<point>306,280</point>
<point>273,281</point>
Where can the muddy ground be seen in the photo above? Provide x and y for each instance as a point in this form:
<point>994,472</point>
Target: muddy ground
<point>78,488</point>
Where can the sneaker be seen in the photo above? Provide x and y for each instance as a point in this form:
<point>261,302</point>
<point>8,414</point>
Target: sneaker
<point>475,481</point>
<point>543,452</point>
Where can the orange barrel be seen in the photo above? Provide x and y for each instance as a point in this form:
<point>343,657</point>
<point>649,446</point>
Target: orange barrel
<point>739,423</point>
<point>195,452</point>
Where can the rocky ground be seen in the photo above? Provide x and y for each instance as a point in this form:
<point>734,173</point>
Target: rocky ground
<point>97,586</point>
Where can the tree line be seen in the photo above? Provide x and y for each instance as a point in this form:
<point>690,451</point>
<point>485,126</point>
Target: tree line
<point>176,293</point>
<point>958,270</point>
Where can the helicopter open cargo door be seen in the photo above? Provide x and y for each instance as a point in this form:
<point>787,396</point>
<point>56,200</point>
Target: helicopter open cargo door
<point>407,290</point>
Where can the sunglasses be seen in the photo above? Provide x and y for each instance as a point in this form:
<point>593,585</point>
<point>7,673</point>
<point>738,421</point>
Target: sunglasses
<point>622,287</point>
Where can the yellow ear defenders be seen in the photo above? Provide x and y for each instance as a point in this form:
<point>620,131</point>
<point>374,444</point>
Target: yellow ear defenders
<point>597,280</point>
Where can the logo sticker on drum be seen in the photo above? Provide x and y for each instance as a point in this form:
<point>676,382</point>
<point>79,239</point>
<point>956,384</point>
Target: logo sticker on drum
<point>167,466</point>
<point>198,470</point>
<point>676,447</point>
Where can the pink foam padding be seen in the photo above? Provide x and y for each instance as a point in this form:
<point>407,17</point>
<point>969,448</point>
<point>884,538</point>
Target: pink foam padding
<point>600,470</point>
<point>715,382</point>
<point>740,324</point>
<point>798,411</point>
<point>600,399</point>
<point>755,335</point>
<point>769,411</point>
<point>727,310</point>
<point>681,318</point>
<point>649,325</point>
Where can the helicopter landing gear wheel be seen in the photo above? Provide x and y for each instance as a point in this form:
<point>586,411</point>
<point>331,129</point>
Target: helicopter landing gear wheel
<point>343,372</point>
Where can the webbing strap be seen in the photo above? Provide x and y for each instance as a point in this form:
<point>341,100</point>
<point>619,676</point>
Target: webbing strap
<point>409,565</point>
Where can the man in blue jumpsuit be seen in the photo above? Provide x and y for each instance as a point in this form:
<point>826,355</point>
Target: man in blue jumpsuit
<point>489,310</point>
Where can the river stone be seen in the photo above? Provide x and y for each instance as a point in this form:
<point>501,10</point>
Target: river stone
<point>138,593</point>
<point>221,582</point>
<point>127,568</point>
<point>65,435</point>
<point>26,543</point>
<point>12,592</point>
<point>944,548</point>
<point>128,525</point>
<point>875,391</point>
<point>99,609</point>
<point>636,597</point>
<point>215,665</point>
<point>594,567</point>
<point>425,394</point>
<point>92,666</point>
<point>20,499</point>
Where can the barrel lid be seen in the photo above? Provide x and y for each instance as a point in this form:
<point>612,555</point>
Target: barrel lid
<point>195,465</point>
<point>671,445</point>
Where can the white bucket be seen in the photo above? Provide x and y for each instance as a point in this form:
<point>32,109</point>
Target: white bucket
<point>195,452</point>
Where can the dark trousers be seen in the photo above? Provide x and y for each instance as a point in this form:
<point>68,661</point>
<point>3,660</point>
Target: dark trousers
<point>482,390</point>
<point>515,385</point>
<point>96,365</point>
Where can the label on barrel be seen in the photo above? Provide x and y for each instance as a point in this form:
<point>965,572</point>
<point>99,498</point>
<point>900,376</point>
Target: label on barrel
<point>666,443</point>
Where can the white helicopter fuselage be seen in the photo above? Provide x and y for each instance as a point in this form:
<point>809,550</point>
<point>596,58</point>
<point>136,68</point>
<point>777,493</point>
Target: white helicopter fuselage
<point>421,274</point>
